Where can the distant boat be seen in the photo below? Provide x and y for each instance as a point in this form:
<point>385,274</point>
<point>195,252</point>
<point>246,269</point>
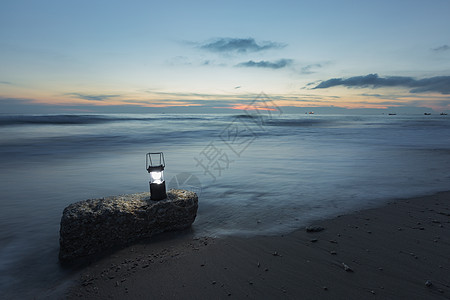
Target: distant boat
<point>427,114</point>
<point>311,112</point>
<point>443,114</point>
<point>392,114</point>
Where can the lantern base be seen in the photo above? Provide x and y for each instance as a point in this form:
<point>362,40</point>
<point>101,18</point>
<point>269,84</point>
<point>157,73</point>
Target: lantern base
<point>158,191</point>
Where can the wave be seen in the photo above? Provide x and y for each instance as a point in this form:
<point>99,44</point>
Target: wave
<point>68,119</point>
<point>50,119</point>
<point>297,122</point>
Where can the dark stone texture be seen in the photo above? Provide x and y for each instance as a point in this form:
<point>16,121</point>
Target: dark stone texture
<point>94,225</point>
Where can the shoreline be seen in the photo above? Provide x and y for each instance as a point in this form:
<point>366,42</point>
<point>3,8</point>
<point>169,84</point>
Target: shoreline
<point>398,250</point>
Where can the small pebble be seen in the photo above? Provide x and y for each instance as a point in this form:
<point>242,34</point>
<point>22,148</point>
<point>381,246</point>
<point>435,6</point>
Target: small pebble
<point>314,228</point>
<point>313,240</point>
<point>428,283</point>
<point>347,268</point>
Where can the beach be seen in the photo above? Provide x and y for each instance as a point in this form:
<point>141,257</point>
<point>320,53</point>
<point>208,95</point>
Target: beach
<point>396,251</point>
<point>277,176</point>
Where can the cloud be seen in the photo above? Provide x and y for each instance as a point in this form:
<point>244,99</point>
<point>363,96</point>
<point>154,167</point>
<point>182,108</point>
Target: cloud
<point>307,69</point>
<point>91,97</point>
<point>441,48</point>
<point>372,95</point>
<point>439,84</point>
<point>281,63</point>
<point>179,60</point>
<point>227,45</point>
<point>6,82</point>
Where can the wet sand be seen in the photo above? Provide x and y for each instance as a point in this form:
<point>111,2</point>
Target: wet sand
<point>397,251</point>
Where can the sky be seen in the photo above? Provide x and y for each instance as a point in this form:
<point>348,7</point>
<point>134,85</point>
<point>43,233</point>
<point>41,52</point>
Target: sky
<point>216,56</point>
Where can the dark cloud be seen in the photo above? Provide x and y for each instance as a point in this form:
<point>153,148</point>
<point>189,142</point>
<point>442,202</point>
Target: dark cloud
<point>442,48</point>
<point>440,84</point>
<point>227,45</point>
<point>6,82</point>
<point>281,63</point>
<point>372,95</point>
<point>91,97</point>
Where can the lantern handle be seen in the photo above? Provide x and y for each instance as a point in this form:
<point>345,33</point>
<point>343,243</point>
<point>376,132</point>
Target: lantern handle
<point>148,158</point>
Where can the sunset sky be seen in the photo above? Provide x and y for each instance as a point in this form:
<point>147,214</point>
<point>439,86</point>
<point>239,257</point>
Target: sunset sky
<point>211,56</point>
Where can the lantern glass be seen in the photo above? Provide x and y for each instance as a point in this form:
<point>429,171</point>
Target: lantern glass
<point>156,177</point>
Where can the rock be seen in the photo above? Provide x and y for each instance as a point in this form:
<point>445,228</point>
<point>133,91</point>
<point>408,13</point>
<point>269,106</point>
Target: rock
<point>94,225</point>
<point>347,268</point>
<point>428,283</point>
<point>314,228</point>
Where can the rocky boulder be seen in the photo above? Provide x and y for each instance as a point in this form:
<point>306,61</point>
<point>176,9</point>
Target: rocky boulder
<point>93,225</point>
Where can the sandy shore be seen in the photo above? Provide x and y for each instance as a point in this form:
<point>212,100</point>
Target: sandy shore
<point>398,251</point>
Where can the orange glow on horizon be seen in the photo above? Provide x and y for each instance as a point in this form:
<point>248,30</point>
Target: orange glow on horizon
<point>228,101</point>
<point>250,107</point>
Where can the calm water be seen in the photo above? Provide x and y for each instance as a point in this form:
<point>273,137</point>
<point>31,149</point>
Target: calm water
<point>254,175</point>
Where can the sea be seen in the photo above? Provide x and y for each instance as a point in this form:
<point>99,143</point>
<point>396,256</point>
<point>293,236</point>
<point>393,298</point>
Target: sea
<point>256,173</point>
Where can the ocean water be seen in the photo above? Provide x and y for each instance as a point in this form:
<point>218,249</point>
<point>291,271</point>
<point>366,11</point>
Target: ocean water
<point>254,173</point>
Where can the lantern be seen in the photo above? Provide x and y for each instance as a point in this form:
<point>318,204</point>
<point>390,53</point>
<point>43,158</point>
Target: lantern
<point>155,166</point>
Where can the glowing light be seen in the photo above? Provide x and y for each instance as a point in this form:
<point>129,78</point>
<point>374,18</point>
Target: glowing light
<point>156,177</point>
